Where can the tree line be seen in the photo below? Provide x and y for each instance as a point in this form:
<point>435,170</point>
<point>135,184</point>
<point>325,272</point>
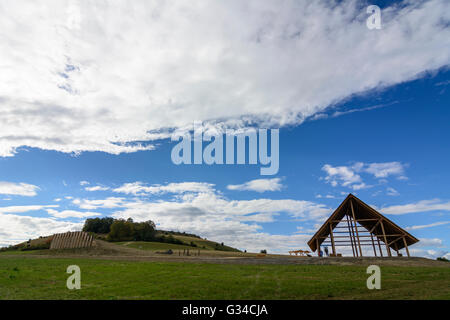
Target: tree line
<point>127,230</point>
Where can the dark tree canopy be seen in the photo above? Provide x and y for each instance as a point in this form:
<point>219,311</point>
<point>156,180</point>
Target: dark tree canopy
<point>98,225</point>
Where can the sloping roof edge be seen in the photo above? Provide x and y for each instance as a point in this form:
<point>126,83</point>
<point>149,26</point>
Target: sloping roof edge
<point>323,231</point>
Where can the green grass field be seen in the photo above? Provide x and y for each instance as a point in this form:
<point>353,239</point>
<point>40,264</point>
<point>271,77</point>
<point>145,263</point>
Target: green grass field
<point>23,277</point>
<point>154,246</point>
<point>159,246</point>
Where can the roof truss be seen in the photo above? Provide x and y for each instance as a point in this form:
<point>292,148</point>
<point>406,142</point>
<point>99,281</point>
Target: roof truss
<point>365,227</point>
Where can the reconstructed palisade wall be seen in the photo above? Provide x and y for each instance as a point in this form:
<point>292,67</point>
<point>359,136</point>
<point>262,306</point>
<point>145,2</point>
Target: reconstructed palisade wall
<point>70,240</point>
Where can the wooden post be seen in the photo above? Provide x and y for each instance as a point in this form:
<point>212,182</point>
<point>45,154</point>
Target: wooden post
<point>396,249</point>
<point>356,228</point>
<point>406,246</point>
<point>379,246</point>
<point>332,239</point>
<point>318,248</point>
<point>373,245</point>
<point>385,240</point>
<point>350,234</point>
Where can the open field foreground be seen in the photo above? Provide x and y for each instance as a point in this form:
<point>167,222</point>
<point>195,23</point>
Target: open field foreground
<point>151,276</point>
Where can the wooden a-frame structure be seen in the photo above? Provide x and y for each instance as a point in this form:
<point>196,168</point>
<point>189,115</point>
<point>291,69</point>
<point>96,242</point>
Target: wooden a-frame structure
<point>362,226</point>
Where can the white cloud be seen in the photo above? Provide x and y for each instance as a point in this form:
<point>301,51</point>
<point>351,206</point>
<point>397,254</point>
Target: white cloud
<point>71,214</point>
<point>15,229</point>
<point>22,209</point>
<point>435,224</point>
<point>258,185</point>
<point>19,189</point>
<point>386,169</point>
<point>429,253</point>
<point>139,188</point>
<point>108,203</point>
<point>114,75</point>
<point>392,192</point>
<point>421,206</point>
<point>96,188</point>
<point>84,183</point>
<point>350,176</point>
<point>346,176</point>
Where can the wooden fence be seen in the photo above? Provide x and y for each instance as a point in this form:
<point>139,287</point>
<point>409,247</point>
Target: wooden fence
<point>71,240</point>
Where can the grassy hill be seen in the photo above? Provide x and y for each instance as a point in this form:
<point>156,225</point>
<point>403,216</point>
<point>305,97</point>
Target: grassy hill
<point>190,242</point>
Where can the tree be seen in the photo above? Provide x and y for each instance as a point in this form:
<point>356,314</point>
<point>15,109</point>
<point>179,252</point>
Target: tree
<point>144,231</point>
<point>121,230</point>
<point>98,225</point>
<point>127,230</point>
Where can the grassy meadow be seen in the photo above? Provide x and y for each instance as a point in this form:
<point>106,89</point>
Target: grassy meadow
<point>23,277</point>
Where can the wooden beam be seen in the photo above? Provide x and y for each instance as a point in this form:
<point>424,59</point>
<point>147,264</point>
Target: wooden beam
<point>406,246</point>
<point>379,247</point>
<point>373,245</point>
<point>366,236</point>
<point>332,240</point>
<point>385,240</point>
<point>375,226</point>
<point>350,234</point>
<point>358,220</point>
<point>356,227</point>
<point>396,250</point>
<point>394,240</point>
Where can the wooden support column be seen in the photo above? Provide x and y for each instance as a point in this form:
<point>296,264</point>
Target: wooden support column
<point>351,238</point>
<point>385,240</point>
<point>318,248</point>
<point>373,245</point>
<point>406,246</point>
<point>332,239</point>
<point>379,246</point>
<point>356,227</point>
<point>396,249</point>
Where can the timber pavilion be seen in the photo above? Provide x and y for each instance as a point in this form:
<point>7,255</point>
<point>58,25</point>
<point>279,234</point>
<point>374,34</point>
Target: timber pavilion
<point>355,224</point>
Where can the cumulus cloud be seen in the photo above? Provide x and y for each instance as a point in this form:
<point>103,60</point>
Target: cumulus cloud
<point>384,170</point>
<point>350,176</point>
<point>117,75</point>
<point>258,185</point>
<point>17,228</point>
<point>19,189</point>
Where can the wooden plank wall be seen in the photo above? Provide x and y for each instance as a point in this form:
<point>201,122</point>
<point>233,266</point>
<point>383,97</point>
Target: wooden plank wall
<point>72,240</point>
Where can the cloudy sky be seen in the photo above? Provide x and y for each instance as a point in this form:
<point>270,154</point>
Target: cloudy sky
<point>91,91</point>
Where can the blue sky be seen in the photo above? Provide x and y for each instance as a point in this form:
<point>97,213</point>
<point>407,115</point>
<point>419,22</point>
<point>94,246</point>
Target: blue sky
<point>378,129</point>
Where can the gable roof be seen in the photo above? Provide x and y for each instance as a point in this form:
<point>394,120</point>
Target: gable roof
<point>368,218</point>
